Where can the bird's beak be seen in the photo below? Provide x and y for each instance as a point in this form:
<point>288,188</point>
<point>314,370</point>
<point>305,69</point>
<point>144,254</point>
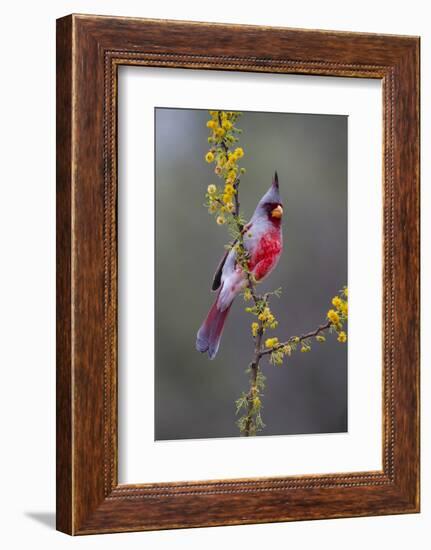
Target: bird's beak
<point>277,212</point>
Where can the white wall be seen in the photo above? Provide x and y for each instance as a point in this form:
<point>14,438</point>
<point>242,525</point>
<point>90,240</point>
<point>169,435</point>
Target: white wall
<point>27,218</point>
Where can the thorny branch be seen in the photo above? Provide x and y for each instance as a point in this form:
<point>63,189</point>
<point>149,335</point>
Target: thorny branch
<point>297,339</point>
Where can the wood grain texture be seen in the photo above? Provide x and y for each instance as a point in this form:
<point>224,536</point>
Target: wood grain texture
<point>64,497</point>
<point>89,498</point>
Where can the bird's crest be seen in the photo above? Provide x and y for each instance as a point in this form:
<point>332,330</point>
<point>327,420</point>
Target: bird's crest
<point>273,193</point>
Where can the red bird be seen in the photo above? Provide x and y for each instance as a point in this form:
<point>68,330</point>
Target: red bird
<point>263,241</point>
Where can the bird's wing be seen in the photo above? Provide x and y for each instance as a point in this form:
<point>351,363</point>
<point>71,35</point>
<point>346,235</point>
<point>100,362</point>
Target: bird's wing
<point>219,271</point>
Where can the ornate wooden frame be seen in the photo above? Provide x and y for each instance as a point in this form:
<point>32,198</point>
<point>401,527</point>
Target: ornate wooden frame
<point>89,51</point>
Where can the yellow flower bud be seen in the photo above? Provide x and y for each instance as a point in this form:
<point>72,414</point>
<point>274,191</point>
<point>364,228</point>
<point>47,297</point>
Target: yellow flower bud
<point>342,337</point>
<point>271,342</point>
<point>209,157</point>
<point>336,302</point>
<point>333,316</point>
<point>229,189</point>
<point>247,294</point>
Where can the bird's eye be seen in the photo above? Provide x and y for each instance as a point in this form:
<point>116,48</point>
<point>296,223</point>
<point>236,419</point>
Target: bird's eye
<point>277,212</point>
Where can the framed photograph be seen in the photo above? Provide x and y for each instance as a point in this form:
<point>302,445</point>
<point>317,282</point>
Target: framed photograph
<point>237,274</point>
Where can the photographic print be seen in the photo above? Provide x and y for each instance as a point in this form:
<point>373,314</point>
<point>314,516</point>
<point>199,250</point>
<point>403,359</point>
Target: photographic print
<point>207,256</point>
<point>251,274</point>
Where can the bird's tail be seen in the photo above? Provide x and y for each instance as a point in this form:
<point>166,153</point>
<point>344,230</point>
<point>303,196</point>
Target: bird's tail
<point>209,335</point>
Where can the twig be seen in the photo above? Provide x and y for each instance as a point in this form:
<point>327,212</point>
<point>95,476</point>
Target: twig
<point>254,366</point>
<point>297,339</point>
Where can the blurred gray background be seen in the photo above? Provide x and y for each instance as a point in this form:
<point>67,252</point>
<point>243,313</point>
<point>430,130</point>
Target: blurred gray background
<point>194,397</point>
